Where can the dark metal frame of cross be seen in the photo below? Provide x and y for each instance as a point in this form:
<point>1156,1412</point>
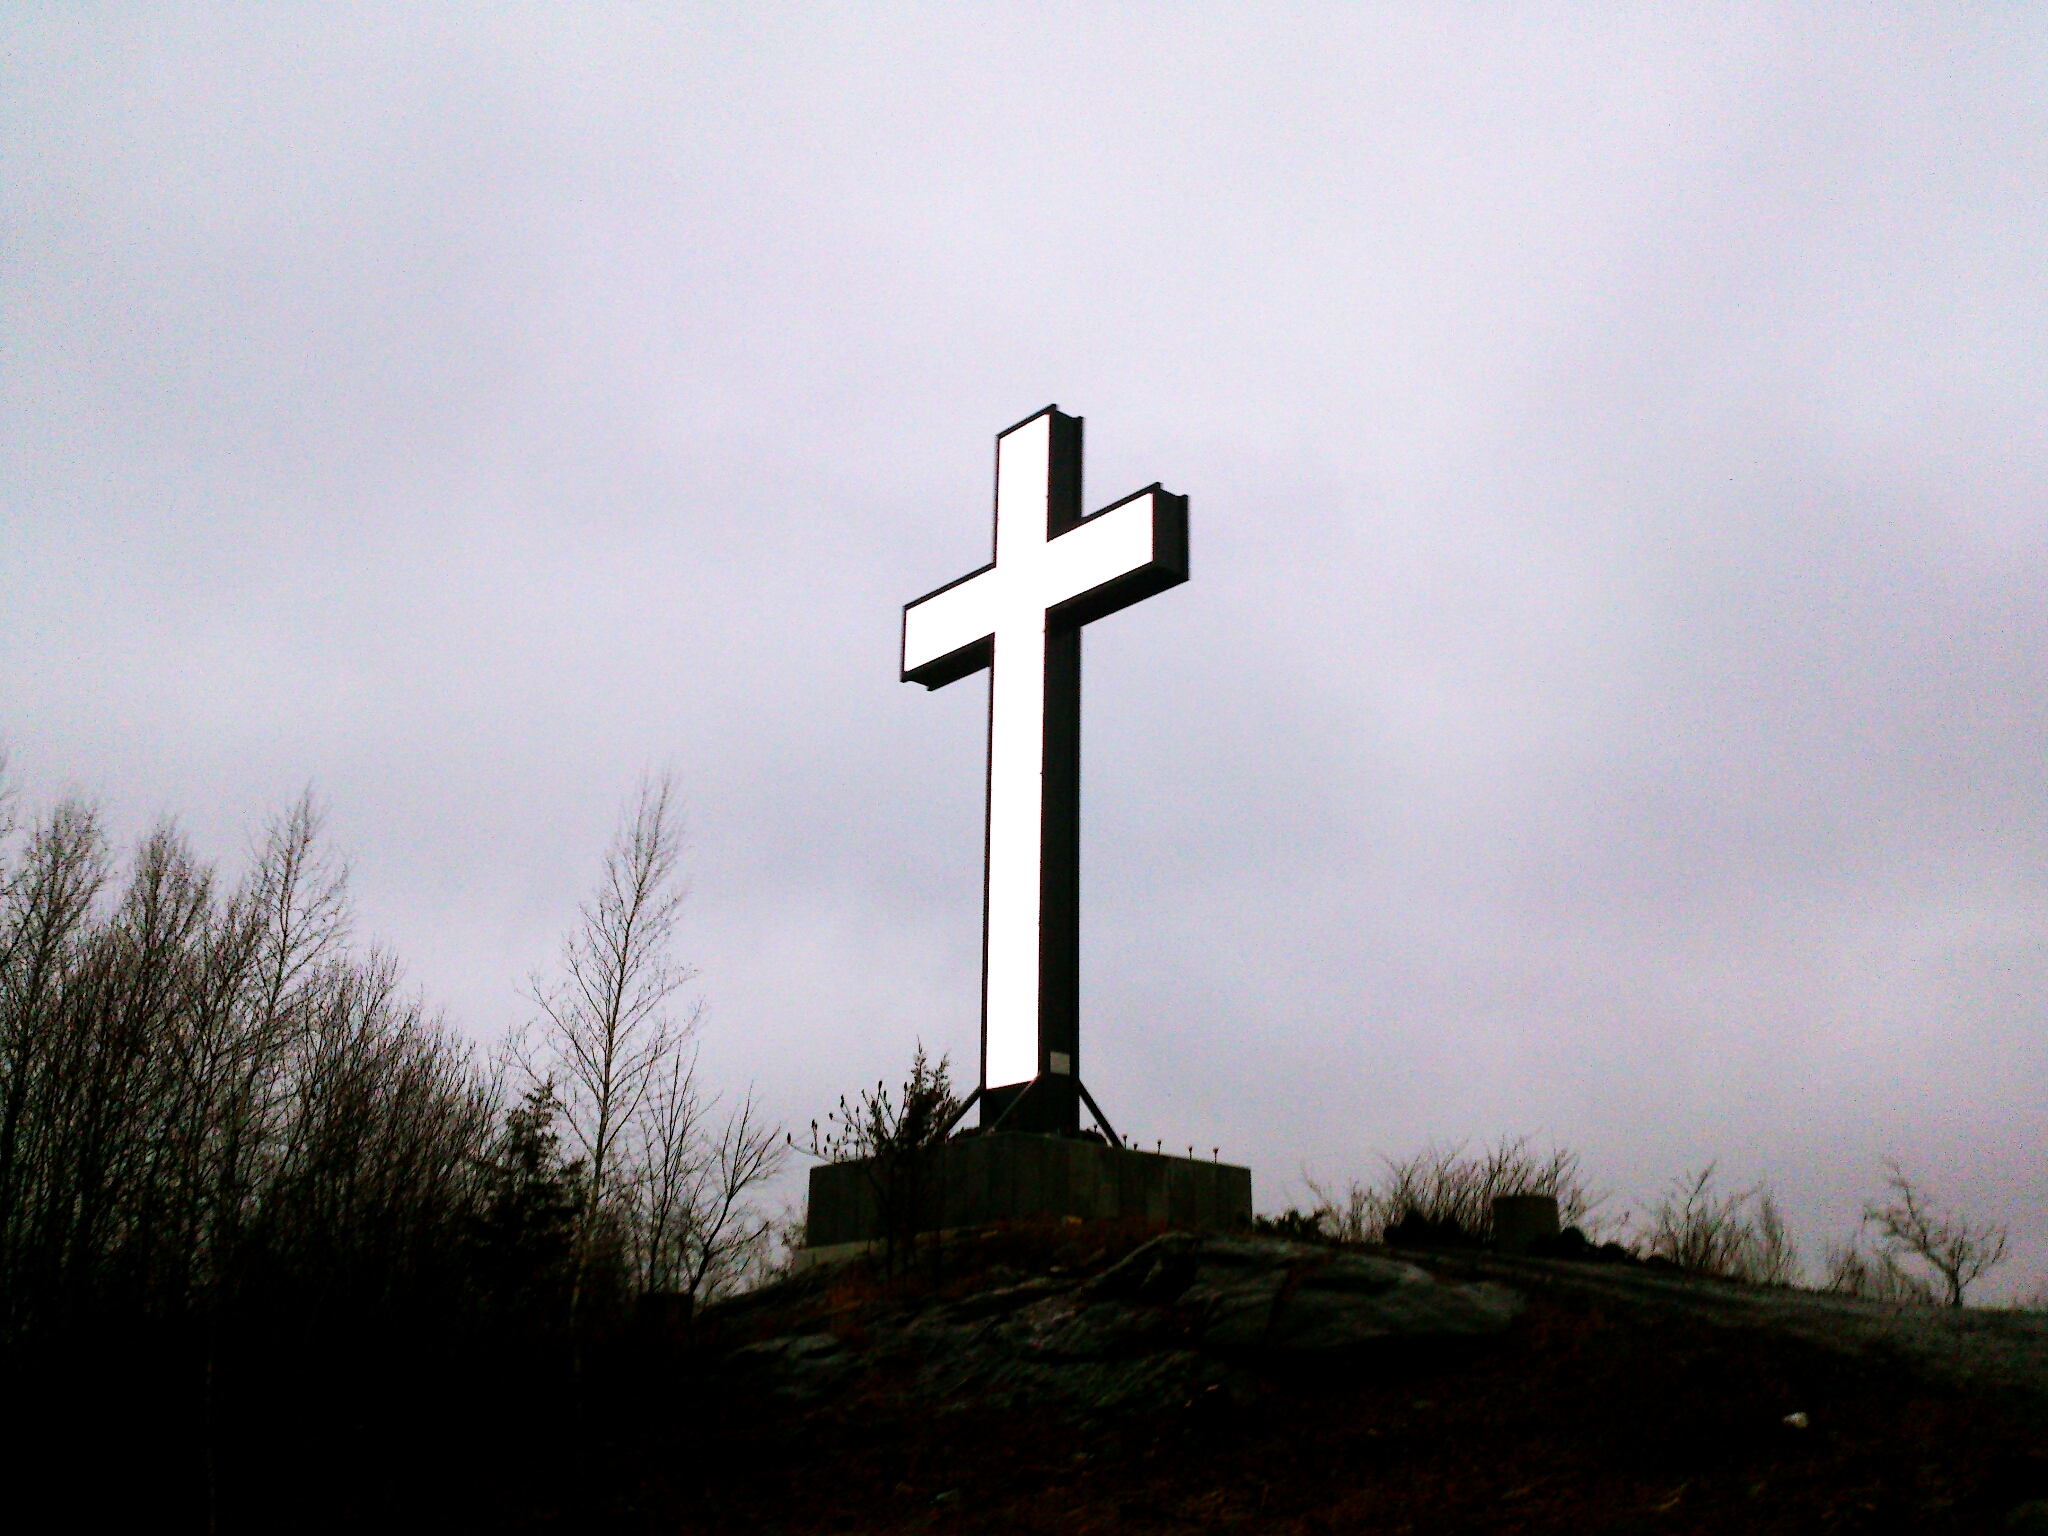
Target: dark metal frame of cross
<point>1021,616</point>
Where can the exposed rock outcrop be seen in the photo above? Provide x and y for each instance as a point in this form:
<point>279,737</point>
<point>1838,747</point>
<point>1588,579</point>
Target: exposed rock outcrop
<point>1181,1315</point>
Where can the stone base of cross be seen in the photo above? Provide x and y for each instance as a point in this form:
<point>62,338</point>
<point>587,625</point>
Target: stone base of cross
<point>1020,616</point>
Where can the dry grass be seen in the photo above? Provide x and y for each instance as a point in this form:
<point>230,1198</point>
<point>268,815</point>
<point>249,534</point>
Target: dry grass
<point>1737,1237</point>
<point>1451,1191</point>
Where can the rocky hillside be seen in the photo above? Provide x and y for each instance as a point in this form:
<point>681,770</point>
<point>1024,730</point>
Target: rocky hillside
<point>1071,1381</point>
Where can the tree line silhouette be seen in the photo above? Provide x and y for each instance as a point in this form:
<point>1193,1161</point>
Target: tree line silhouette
<point>244,1170</point>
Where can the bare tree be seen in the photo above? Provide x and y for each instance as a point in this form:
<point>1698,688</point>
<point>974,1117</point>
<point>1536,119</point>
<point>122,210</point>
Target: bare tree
<point>1956,1249</point>
<point>722,1234</point>
<point>696,1228</point>
<point>606,1023</point>
<point>295,917</point>
<point>300,891</point>
<point>43,929</point>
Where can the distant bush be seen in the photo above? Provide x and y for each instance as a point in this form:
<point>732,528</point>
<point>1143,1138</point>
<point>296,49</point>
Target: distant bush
<point>1445,1195</point>
<point>1740,1236</point>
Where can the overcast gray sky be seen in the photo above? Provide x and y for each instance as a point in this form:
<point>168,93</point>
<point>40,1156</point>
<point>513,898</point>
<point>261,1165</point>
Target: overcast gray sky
<point>1609,703</point>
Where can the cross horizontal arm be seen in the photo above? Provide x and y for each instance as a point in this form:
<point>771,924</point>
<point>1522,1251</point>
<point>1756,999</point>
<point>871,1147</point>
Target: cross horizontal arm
<point>1120,555</point>
<point>1107,561</point>
<point>947,633</point>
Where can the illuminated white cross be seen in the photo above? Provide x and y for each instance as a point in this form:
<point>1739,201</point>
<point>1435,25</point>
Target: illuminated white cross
<point>1021,616</point>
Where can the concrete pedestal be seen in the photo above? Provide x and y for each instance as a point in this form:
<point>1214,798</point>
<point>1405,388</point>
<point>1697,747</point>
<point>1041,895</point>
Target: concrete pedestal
<point>1016,1177</point>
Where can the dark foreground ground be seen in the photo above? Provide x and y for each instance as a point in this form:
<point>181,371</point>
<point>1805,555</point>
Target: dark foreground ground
<point>1612,1403</point>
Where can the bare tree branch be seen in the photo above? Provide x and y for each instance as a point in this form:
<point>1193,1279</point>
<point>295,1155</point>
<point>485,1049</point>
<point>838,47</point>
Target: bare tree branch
<point>670,1164</point>
<point>723,1231</point>
<point>1959,1251</point>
